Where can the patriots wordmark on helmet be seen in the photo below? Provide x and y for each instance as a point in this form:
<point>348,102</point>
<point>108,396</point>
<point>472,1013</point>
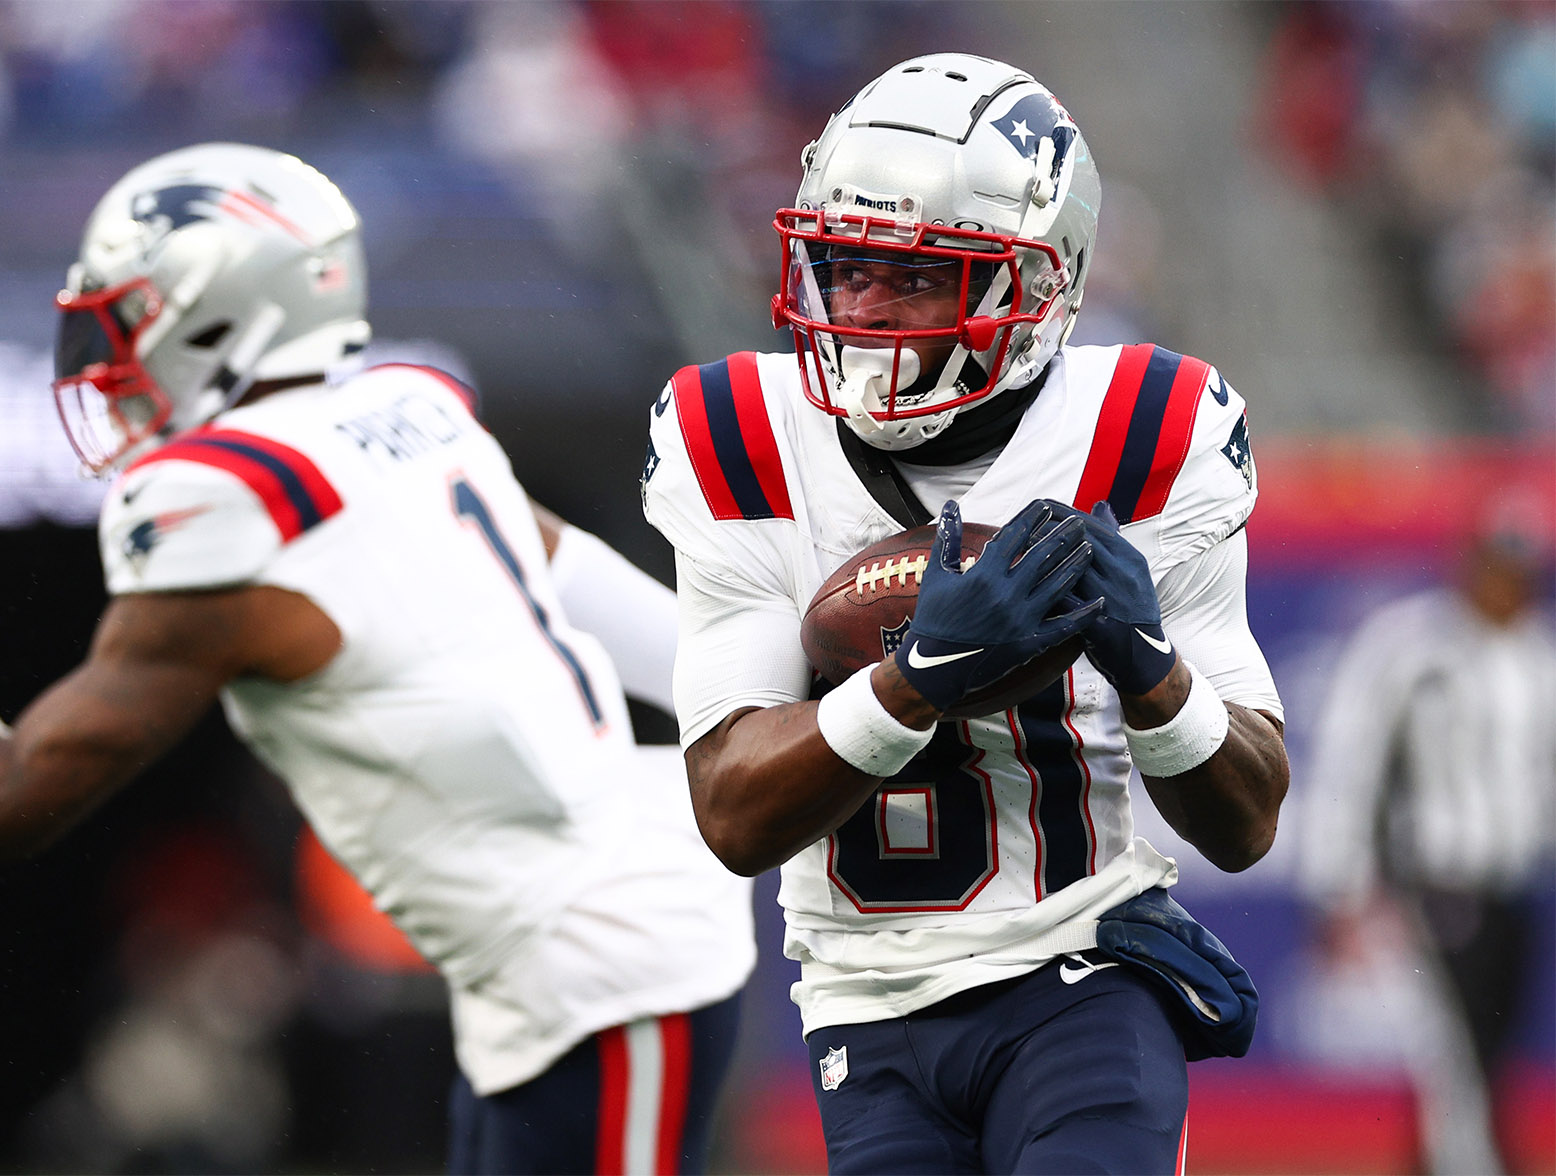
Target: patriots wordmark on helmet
<point>880,205</point>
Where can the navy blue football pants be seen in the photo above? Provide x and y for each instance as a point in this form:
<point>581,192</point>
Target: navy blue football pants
<point>1025,1075</point>
<point>635,1098</point>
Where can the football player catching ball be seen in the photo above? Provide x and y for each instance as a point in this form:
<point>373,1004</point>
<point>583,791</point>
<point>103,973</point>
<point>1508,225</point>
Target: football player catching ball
<point>992,975</point>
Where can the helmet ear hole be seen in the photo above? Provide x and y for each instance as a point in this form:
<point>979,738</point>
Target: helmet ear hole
<point>210,337</point>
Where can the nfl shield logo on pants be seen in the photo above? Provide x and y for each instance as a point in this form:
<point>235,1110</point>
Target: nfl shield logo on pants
<point>834,1068</point>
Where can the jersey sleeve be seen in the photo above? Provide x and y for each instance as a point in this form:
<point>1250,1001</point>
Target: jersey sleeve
<point>738,618</point>
<point>739,646</point>
<point>1205,610</point>
<point>179,526</point>
<point>672,500</point>
<point>1214,492</point>
<point>714,460</point>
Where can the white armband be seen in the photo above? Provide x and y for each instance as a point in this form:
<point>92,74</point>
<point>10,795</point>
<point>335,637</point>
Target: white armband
<point>863,733</point>
<point>1187,739</point>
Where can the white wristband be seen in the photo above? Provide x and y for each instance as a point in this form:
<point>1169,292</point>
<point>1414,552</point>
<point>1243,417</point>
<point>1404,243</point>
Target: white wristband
<point>1187,739</point>
<point>863,733</point>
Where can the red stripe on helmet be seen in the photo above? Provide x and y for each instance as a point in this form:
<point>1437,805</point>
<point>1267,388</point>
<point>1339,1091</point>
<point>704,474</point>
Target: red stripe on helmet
<point>243,206</point>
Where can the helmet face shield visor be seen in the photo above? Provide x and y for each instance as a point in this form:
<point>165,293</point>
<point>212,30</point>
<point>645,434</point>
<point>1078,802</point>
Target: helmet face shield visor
<point>866,288</point>
<point>86,338</point>
<point>941,305</point>
<point>107,401</point>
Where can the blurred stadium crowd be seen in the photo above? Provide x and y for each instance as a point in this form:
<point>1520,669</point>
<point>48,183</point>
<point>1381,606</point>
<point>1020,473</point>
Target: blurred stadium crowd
<point>1435,124</point>
<point>564,200</point>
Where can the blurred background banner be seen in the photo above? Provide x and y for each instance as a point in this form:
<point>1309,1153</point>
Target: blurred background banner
<point>1348,208</point>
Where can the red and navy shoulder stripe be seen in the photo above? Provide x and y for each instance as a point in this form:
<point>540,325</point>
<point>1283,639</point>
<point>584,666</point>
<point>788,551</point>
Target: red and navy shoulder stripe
<point>1143,432</point>
<point>296,494</point>
<point>730,440</point>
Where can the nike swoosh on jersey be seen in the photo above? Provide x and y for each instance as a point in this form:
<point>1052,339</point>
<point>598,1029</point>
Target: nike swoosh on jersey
<point>1074,974</point>
<point>1162,646</point>
<point>920,661</point>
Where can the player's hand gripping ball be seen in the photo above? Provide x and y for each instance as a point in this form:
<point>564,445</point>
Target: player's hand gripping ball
<point>862,612</point>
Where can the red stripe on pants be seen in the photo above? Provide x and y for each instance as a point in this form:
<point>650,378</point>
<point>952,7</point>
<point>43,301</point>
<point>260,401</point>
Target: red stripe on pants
<point>608,1154</point>
<point>675,1036</point>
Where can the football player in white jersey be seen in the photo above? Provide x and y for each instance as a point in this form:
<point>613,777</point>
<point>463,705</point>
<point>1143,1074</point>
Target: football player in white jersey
<point>993,978</point>
<point>350,567</point>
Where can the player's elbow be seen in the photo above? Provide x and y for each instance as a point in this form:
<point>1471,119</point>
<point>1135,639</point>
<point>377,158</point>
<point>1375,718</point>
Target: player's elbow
<point>725,794</point>
<point>1235,854</point>
<point>23,835</point>
<point>732,843</point>
<point>735,834</point>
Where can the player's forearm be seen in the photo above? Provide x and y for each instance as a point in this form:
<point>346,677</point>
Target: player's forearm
<point>83,739</point>
<point>46,788</point>
<point>1227,807</point>
<point>1224,805</point>
<point>765,785</point>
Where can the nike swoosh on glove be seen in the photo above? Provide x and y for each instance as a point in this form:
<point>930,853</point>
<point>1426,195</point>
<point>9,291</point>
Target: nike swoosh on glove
<point>971,627</point>
<point>1125,639</point>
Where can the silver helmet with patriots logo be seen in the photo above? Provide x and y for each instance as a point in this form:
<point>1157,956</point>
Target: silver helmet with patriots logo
<point>952,179</point>
<point>201,272</point>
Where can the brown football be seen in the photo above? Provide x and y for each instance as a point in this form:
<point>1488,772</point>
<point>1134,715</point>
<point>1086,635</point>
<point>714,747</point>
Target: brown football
<point>859,615</point>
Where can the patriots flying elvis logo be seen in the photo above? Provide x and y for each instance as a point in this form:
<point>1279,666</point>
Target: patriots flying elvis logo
<point>650,464</point>
<point>166,210</point>
<point>1237,452</point>
<point>1033,119</point>
<point>172,208</point>
<point>145,535</point>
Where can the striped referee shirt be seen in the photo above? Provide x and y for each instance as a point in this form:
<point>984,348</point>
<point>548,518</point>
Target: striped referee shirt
<point>1436,760</point>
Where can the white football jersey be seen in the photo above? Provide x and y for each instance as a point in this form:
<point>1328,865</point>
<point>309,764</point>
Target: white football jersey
<point>1000,843</point>
<point>467,754</point>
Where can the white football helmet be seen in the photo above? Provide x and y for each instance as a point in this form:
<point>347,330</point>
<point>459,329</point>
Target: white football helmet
<point>201,272</point>
<point>953,176</point>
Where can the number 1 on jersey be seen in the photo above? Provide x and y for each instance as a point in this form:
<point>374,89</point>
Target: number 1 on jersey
<point>470,505</point>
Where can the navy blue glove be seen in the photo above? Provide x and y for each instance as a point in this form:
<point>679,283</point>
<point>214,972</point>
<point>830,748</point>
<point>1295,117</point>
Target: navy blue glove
<point>1124,639</point>
<point>1217,1002</point>
<point>971,627</point>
